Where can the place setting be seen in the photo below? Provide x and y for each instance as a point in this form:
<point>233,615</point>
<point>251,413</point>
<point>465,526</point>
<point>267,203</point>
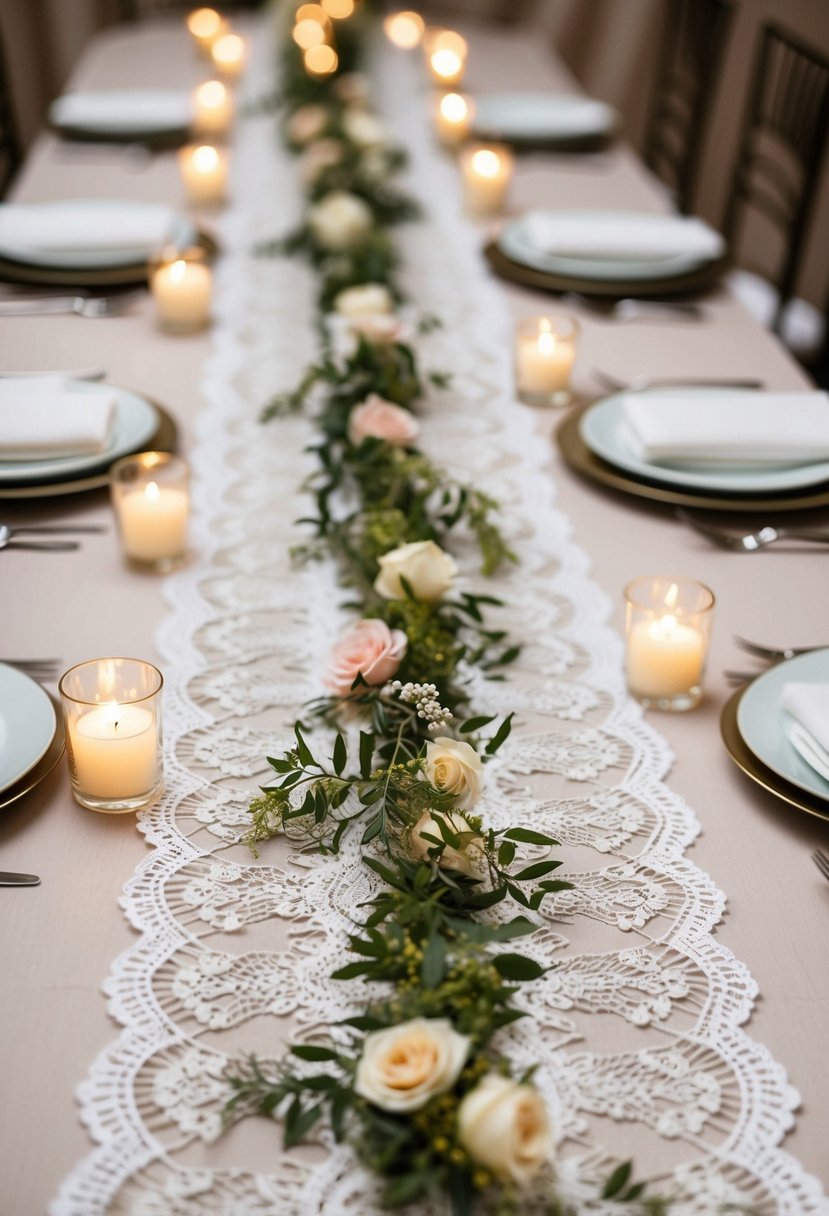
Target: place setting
<point>32,730</point>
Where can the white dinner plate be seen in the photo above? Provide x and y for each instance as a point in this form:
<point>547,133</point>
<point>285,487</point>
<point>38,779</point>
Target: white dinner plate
<point>182,232</point>
<point>762,721</point>
<point>602,428</point>
<point>541,116</point>
<point>123,112</point>
<point>514,241</point>
<point>27,724</point>
<point>136,419</point>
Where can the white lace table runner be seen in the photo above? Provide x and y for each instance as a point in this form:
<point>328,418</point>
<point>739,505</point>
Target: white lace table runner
<point>638,1027</point>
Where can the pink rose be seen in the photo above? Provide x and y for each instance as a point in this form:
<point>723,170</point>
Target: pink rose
<point>376,418</point>
<point>369,649</point>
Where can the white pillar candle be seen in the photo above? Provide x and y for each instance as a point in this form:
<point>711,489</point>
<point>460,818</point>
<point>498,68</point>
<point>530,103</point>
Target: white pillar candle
<point>229,55</point>
<point>453,118</point>
<point>486,176</point>
<point>181,291</point>
<point>205,26</point>
<point>153,522</point>
<point>664,658</point>
<point>545,350</point>
<point>204,173</point>
<point>212,109</point>
<point>114,751</point>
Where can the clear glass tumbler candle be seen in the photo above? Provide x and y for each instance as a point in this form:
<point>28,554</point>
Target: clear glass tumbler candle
<point>112,712</point>
<point>151,497</point>
<point>668,628</point>
<point>181,284</point>
<point>486,173</point>
<point>545,351</point>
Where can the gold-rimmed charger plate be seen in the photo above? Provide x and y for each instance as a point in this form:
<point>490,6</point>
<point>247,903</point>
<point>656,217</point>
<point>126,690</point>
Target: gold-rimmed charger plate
<point>692,281</point>
<point>747,762</point>
<point>585,462</point>
<point>163,439</point>
<point>44,766</point>
<point>172,137</point>
<point>79,277</point>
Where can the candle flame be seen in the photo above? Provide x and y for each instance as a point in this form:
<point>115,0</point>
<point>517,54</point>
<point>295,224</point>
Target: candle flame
<point>446,63</point>
<point>404,29</point>
<point>205,158</point>
<point>454,107</point>
<point>486,163</point>
<point>203,22</point>
<point>151,490</point>
<point>229,49</point>
<point>546,341</point>
<point>211,94</point>
<point>177,272</point>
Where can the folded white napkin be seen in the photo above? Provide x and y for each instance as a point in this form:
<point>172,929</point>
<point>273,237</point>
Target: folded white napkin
<point>622,234</point>
<point>808,705</point>
<point>753,429</point>
<point>123,110</point>
<point>84,225</point>
<point>41,419</point>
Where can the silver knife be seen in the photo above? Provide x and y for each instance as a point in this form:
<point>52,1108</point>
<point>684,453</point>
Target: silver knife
<point>18,880</point>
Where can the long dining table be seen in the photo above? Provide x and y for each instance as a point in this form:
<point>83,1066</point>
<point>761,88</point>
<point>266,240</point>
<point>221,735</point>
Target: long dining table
<point>58,1010</point>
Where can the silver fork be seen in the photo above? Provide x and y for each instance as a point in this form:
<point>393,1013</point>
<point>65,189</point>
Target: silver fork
<point>42,670</point>
<point>614,384</point>
<point>82,306</point>
<point>629,309</point>
<point>822,863</point>
<point>771,653</point>
<point>750,542</point>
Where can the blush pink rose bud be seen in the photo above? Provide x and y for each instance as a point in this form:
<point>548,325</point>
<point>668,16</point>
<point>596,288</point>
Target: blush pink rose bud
<point>369,649</point>
<point>376,418</point>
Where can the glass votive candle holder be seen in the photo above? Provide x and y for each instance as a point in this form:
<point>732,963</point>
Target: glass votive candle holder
<point>486,173</point>
<point>112,713</point>
<point>204,174</point>
<point>151,499</point>
<point>668,628</point>
<point>212,107</point>
<point>545,351</point>
<point>181,284</point>
<point>453,117</point>
<point>229,55</point>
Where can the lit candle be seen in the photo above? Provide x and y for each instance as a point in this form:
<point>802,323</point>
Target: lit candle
<point>204,173</point>
<point>205,26</point>
<point>668,626</point>
<point>338,9</point>
<point>447,66</point>
<point>404,29</point>
<point>545,350</point>
<point>229,55</point>
<point>212,108</point>
<point>454,117</point>
<point>151,496</point>
<point>486,176</point>
<point>321,60</point>
<point>112,712</point>
<point>182,290</point>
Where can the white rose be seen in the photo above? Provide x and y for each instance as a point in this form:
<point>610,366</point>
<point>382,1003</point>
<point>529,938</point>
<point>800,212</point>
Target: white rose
<point>426,568</point>
<point>466,859</point>
<point>306,123</point>
<point>504,1126</point>
<point>367,300</point>
<point>340,221</point>
<point>402,1067</point>
<point>319,155</point>
<point>455,768</point>
<point>364,129</point>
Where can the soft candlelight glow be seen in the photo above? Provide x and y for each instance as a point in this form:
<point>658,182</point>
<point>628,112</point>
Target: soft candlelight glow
<point>486,176</point>
<point>545,350</point>
<point>454,117</point>
<point>338,9</point>
<point>181,287</point>
<point>204,173</point>
<point>205,26</point>
<point>447,66</point>
<point>668,627</point>
<point>151,497</point>
<point>213,106</point>
<point>229,54</point>
<point>310,12</point>
<point>321,60</point>
<point>450,40</point>
<point>404,29</point>
<point>112,711</point>
<point>309,33</point>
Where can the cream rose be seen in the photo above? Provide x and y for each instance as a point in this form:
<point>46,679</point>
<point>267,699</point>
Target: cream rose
<point>367,300</point>
<point>319,155</point>
<point>426,568</point>
<point>352,88</point>
<point>364,129</point>
<point>403,1067</point>
<point>455,768</point>
<point>369,649</point>
<point>376,418</point>
<point>467,858</point>
<point>381,330</point>
<point>306,123</point>
<point>504,1126</point>
<point>340,221</point>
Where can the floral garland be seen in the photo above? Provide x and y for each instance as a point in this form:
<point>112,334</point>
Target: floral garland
<point>420,1089</point>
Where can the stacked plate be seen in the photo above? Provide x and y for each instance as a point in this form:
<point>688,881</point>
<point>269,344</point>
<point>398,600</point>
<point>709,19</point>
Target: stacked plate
<point>596,441</point>
<point>138,425</point>
<point>86,242</point>
<point>615,253</point>
<point>755,729</point>
<point>31,734</point>
<point>544,120</point>
<point>156,117</point>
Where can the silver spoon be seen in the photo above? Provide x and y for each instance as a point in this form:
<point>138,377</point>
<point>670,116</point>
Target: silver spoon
<point>48,546</point>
